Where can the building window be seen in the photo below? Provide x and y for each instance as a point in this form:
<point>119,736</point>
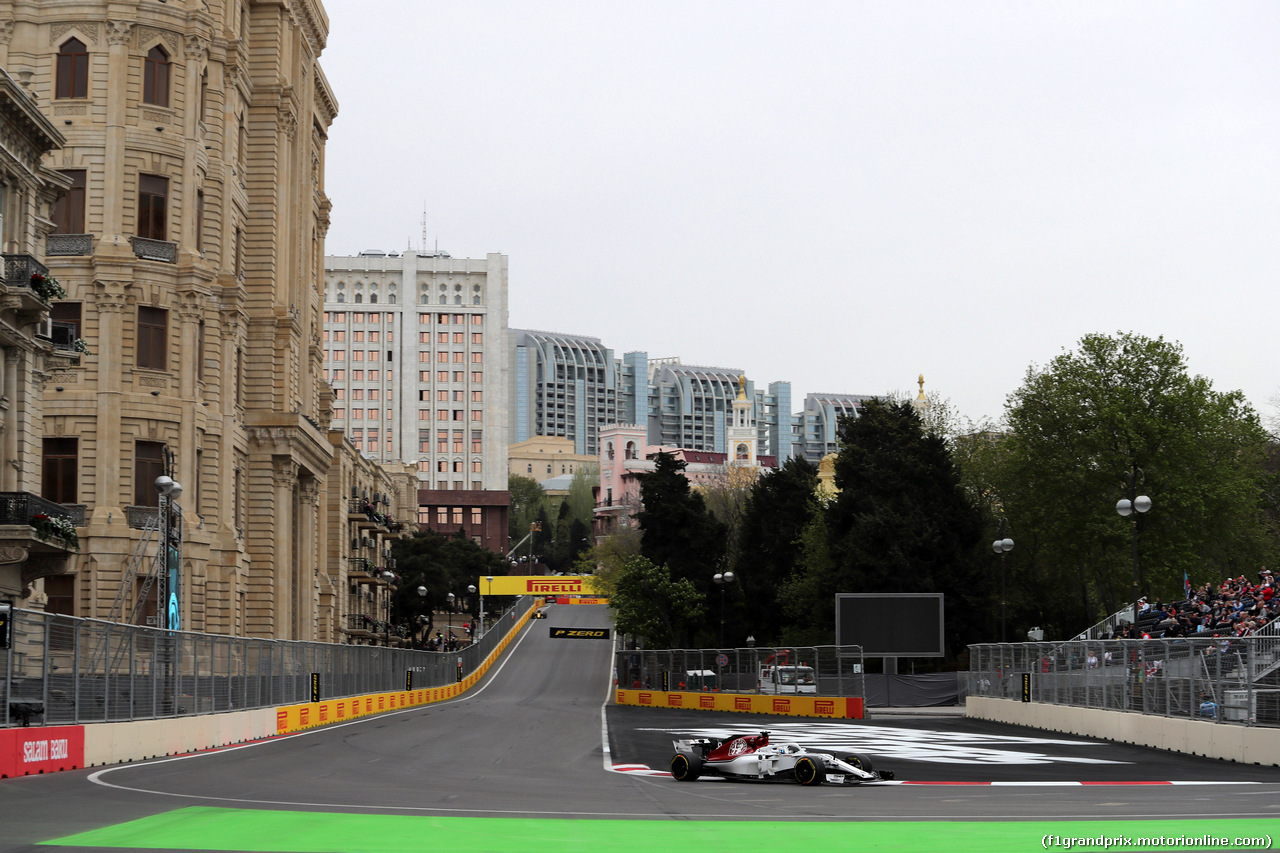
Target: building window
<point>200,351</point>
<point>73,70</point>
<point>200,220</point>
<point>153,335</point>
<point>155,77</point>
<point>61,471</point>
<point>152,193</point>
<point>148,463</point>
<point>68,212</point>
<point>67,312</point>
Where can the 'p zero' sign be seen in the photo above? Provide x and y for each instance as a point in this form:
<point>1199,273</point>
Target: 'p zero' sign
<point>579,633</point>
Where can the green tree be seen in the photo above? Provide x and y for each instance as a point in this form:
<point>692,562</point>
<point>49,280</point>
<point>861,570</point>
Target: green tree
<point>442,564</point>
<point>901,522</point>
<point>781,505</point>
<point>676,528</point>
<point>648,603</point>
<point>1120,409</point>
<point>527,498</point>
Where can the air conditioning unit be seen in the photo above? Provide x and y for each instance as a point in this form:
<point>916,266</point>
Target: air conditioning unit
<point>44,330</point>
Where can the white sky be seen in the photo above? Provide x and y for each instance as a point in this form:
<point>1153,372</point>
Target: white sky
<point>839,194</point>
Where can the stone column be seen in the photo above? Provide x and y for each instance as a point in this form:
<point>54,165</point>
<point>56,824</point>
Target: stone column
<point>284,484</point>
<point>111,302</point>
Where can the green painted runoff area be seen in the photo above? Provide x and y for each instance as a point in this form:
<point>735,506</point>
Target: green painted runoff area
<point>204,828</point>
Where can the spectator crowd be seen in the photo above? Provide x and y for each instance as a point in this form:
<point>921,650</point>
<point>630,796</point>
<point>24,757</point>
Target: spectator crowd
<point>1236,607</point>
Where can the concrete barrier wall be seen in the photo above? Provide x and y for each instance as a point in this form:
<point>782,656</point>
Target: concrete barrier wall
<point>116,743</point>
<point>1245,744</point>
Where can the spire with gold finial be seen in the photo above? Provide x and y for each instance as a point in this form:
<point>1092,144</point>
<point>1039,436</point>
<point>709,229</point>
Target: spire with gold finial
<point>920,402</point>
<point>742,386</point>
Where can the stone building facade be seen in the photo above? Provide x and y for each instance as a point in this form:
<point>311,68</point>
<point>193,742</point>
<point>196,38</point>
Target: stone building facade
<point>31,549</point>
<point>190,243</point>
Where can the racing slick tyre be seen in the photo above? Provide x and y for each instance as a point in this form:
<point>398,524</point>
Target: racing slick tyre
<point>860,760</point>
<point>686,768</point>
<point>809,770</point>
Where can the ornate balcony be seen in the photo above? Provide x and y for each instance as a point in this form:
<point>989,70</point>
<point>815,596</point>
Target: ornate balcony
<point>64,245</point>
<point>18,270</point>
<point>40,551</point>
<point>155,250</point>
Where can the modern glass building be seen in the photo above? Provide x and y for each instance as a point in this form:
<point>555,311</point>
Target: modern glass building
<point>563,386</point>
<point>817,426</point>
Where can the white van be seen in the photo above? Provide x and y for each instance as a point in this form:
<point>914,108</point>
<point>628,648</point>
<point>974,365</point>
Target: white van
<point>788,679</point>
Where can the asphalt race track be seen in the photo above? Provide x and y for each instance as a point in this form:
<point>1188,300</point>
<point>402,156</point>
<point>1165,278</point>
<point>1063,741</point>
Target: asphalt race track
<point>521,764</point>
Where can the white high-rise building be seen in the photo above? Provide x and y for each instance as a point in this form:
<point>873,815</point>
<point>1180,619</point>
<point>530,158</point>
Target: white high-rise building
<point>416,349</point>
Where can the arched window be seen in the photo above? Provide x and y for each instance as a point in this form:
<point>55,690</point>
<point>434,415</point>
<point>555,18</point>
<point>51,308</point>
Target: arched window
<point>742,454</point>
<point>392,299</point>
<point>342,297</point>
<point>73,70</point>
<point>359,299</point>
<point>425,299</point>
<point>155,77</point>
<point>631,450</point>
<point>373,297</point>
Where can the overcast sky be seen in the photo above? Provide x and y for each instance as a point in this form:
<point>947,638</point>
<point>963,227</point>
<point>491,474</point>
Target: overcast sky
<point>839,194</point>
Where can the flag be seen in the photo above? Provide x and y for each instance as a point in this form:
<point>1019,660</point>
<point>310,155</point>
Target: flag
<point>1186,584</point>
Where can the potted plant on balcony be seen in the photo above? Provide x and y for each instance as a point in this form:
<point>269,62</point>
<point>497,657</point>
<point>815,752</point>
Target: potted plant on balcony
<point>57,528</point>
<point>47,287</point>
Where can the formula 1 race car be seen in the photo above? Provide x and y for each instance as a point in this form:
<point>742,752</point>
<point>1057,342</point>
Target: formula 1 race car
<point>752,757</point>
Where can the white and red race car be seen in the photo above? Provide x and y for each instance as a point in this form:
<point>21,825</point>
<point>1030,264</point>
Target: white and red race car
<point>752,757</point>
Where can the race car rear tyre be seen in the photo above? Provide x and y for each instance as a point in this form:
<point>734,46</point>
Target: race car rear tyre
<point>810,771</point>
<point>686,768</point>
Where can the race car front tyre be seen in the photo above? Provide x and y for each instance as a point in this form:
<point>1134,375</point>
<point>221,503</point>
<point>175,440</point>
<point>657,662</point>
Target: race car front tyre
<point>686,768</point>
<point>810,771</point>
<point>860,760</point>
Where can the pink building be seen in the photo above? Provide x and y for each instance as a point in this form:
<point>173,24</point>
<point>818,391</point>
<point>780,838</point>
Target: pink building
<point>625,455</point>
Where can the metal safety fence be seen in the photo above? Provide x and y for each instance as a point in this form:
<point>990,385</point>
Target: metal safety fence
<point>61,670</point>
<point>817,670</point>
<point>1227,680</point>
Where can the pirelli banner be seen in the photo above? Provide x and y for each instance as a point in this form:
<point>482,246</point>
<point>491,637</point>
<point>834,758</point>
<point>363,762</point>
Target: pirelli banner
<point>552,585</point>
<point>839,707</point>
<point>579,633</point>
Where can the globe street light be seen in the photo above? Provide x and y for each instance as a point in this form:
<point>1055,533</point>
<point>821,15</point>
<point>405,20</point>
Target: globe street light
<point>1002,547</point>
<point>722,579</point>
<point>475,629</point>
<point>1126,508</point>
<point>450,598</point>
<point>422,619</point>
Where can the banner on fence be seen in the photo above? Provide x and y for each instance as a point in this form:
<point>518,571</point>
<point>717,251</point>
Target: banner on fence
<point>41,750</point>
<point>839,707</point>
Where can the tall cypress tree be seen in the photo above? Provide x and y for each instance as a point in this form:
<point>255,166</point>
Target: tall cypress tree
<point>901,522</point>
<point>676,528</point>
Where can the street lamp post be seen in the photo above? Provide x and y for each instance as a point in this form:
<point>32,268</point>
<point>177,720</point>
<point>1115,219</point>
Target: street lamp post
<point>489,579</point>
<point>475,629</point>
<point>1002,546</point>
<point>422,620</point>
<point>1126,507</point>
<point>722,579</point>
<point>450,597</point>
